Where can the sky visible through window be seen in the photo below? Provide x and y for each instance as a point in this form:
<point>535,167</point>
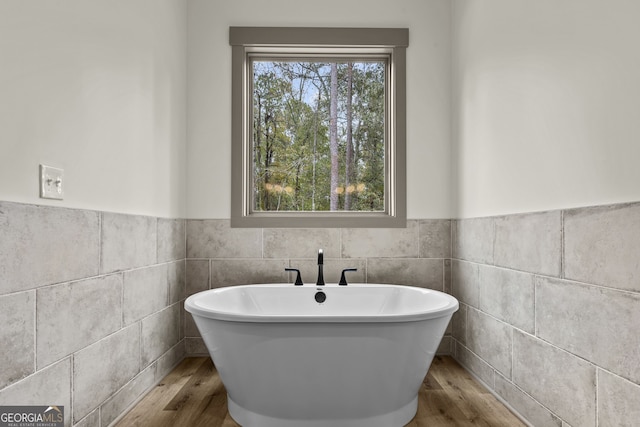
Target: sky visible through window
<point>318,135</point>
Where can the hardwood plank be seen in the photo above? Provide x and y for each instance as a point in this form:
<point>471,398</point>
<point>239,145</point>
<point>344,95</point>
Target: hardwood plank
<point>192,395</point>
<point>149,411</point>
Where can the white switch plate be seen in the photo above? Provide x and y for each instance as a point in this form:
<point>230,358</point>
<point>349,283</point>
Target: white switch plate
<point>51,182</point>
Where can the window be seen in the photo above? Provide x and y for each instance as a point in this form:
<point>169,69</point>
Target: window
<point>318,128</point>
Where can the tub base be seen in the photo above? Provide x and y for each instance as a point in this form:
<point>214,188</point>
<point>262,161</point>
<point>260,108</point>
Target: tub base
<point>397,418</point>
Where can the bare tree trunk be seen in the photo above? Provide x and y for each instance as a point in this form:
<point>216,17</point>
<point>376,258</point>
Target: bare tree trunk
<point>315,154</point>
<point>333,137</point>
<point>258,154</point>
<point>349,166</point>
<point>267,161</point>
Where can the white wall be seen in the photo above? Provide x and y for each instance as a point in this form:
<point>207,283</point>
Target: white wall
<point>97,88</point>
<point>428,84</point>
<point>546,104</point>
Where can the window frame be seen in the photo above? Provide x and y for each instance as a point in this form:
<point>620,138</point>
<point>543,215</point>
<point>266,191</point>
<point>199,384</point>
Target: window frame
<point>330,42</point>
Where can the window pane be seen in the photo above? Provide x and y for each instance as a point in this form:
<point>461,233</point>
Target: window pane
<point>318,138</point>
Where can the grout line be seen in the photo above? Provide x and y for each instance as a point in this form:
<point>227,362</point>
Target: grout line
<point>562,256</point>
<point>139,345</point>
<point>444,275</point>
<point>535,305</point>
<point>100,223</point>
<point>35,330</point>
<point>71,387</point>
<point>157,240</point>
<point>547,276</point>
<point>121,300</point>
<point>513,356</point>
<point>597,415</point>
<point>184,239</point>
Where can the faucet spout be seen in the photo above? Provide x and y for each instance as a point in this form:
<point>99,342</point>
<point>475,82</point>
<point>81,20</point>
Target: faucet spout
<point>320,281</point>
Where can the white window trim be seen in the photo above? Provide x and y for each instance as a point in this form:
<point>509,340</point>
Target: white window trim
<point>293,40</point>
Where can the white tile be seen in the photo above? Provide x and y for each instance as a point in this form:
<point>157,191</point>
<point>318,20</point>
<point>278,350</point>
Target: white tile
<point>596,323</point>
<point>618,401</point>
<point>128,241</point>
<point>17,351</point>
<point>71,316</point>
<point>529,242</point>
<point>382,242</point>
<point>490,339</point>
<point>145,292</point>
<point>559,380</point>
<point>103,368</point>
<point>44,245</point>
<point>159,333</point>
<point>601,246</point>
<point>508,295</point>
<point>214,238</point>
<point>50,386</point>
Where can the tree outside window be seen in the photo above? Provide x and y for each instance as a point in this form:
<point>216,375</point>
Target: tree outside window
<point>318,135</point>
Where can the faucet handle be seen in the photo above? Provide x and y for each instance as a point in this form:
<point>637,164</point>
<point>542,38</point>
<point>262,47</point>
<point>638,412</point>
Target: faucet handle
<point>298,278</point>
<point>343,279</point>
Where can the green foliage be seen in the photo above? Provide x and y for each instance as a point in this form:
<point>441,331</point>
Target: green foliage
<point>291,155</point>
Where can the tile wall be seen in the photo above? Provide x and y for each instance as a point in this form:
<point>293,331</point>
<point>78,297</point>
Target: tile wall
<point>91,302</point>
<point>550,308</point>
<point>90,308</point>
<point>218,255</point>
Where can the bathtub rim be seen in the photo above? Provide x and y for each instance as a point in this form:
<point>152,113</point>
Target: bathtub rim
<point>451,306</point>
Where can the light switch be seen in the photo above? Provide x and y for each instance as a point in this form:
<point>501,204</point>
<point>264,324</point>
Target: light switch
<point>51,181</point>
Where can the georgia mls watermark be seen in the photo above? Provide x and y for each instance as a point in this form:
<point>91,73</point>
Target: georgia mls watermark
<point>31,416</point>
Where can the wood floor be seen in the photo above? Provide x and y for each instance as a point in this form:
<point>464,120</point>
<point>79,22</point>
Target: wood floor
<point>193,396</point>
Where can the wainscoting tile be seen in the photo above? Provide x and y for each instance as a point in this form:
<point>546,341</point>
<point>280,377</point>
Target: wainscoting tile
<point>17,352</point>
<point>214,238</point>
<point>127,395</point>
<point>227,272</point>
<point>49,386</point>
<point>601,245</point>
<point>197,276</point>
<point>475,364</point>
<point>169,360</point>
<point>459,324</point>
<point>128,241</point>
<point>559,380</point>
<point>190,328</point>
<point>465,285</point>
<point>490,339</point>
<point>446,344</point>
<point>159,333</point>
<point>301,242</point>
<point>102,368</point>
<point>508,295</point>
<point>421,272</point>
<point>473,239</point>
<point>530,242</point>
<point>534,412</point>
<point>176,277</point>
<point>435,238</point>
<point>145,292</point>
<point>598,324</point>
<point>617,401</point>
<point>381,242</point>
<point>44,245</point>
<point>172,244</point>
<point>91,420</point>
<point>447,276</point>
<point>73,315</point>
<point>195,347</point>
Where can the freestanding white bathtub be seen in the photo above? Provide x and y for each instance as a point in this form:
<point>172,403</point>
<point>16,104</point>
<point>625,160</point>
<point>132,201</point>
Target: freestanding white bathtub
<point>356,359</point>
